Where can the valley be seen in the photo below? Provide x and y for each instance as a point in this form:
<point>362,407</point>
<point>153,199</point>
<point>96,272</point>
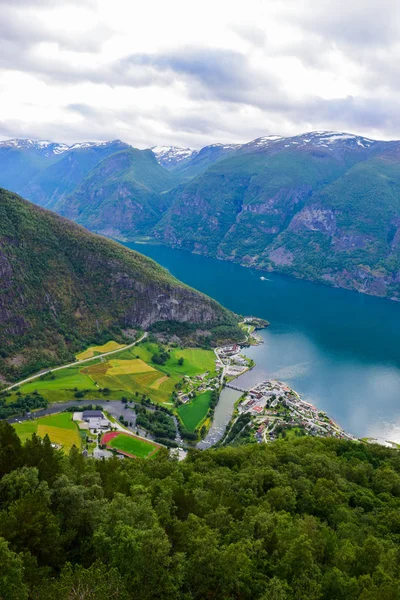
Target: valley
<point>321,206</point>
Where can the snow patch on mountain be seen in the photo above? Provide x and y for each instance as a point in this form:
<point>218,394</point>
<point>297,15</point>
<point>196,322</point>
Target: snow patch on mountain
<point>172,155</point>
<point>331,139</point>
<point>48,148</point>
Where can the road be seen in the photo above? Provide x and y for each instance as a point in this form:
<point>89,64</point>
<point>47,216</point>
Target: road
<point>74,364</point>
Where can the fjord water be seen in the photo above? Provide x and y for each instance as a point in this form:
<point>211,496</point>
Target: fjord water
<point>340,350</point>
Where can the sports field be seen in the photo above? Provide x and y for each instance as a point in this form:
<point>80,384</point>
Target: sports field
<point>130,444</point>
<point>60,428</point>
<point>93,350</point>
<point>192,413</point>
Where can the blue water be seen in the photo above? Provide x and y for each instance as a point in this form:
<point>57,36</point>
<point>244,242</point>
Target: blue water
<point>338,349</point>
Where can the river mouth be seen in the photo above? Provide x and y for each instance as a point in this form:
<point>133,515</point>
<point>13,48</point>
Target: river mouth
<point>340,350</point>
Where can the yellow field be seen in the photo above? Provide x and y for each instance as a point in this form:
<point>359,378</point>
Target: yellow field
<point>93,350</point>
<point>156,384</point>
<point>128,367</point>
<point>95,370</point>
<point>66,437</point>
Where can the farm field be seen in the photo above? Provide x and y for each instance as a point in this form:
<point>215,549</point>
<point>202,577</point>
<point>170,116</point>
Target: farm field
<point>67,379</point>
<point>130,444</point>
<point>192,413</point>
<point>129,372</point>
<point>93,350</point>
<point>195,360</point>
<point>60,428</point>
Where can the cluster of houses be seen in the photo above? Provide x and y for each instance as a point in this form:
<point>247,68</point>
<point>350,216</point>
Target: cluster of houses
<point>229,357</point>
<point>272,403</point>
<point>199,384</point>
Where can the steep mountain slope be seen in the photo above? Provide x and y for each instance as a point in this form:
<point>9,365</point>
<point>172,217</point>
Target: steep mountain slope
<point>322,206</point>
<point>20,162</point>
<point>202,160</point>
<point>349,233</point>
<point>53,183</point>
<point>300,205</point>
<point>122,195</point>
<point>45,171</point>
<point>63,287</point>
<point>241,203</point>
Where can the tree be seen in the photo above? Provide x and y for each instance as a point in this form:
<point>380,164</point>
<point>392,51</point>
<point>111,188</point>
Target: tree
<point>12,586</point>
<point>98,582</point>
<point>180,361</point>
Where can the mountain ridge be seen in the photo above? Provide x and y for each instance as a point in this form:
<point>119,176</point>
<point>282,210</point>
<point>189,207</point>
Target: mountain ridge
<point>64,287</point>
<point>259,204</point>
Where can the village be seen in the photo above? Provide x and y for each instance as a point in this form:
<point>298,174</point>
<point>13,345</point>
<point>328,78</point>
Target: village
<point>273,410</point>
<point>229,364</point>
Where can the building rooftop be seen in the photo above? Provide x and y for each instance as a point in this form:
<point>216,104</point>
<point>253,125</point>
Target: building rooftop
<point>92,414</point>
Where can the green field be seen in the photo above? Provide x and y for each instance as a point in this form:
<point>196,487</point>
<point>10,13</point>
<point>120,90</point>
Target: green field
<point>133,445</point>
<point>192,413</point>
<point>126,373</point>
<point>195,360</point>
<point>59,427</point>
<point>66,379</point>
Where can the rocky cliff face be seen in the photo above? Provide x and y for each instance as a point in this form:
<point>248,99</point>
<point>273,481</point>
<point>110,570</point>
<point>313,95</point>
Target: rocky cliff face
<point>63,287</point>
<point>322,210</point>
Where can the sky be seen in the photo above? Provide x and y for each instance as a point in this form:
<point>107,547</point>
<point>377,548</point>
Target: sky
<point>186,73</point>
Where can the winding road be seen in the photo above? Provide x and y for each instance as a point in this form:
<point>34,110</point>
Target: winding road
<point>74,364</point>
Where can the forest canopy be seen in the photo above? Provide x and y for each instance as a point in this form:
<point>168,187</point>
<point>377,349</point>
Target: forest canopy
<point>307,519</point>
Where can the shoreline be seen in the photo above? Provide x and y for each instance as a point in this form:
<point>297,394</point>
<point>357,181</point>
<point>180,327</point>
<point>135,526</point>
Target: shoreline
<point>262,400</point>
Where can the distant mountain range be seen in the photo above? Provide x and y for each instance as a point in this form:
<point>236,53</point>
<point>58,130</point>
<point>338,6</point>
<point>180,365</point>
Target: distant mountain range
<point>63,287</point>
<point>324,205</point>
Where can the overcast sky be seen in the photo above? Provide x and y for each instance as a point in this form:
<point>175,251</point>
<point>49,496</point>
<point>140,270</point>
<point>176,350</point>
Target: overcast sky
<point>187,73</point>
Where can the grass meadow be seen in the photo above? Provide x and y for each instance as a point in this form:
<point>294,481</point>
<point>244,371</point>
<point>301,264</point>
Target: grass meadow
<point>193,413</point>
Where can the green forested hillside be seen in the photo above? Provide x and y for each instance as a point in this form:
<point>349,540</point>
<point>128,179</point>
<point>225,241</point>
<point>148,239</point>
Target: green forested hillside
<point>44,172</point>
<point>323,212</point>
<point>239,205</point>
<point>322,205</point>
<point>63,288</point>
<point>310,519</point>
<point>349,232</point>
<point>122,195</point>
<point>56,180</point>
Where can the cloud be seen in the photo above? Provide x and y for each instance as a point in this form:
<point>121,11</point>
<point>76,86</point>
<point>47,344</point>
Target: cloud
<point>85,69</point>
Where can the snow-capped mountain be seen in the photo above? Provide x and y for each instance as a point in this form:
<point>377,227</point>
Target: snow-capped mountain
<point>331,140</point>
<point>44,147</point>
<point>48,148</point>
<point>171,156</point>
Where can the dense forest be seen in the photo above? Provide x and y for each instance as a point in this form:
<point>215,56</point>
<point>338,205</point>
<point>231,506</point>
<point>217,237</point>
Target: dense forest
<point>308,518</point>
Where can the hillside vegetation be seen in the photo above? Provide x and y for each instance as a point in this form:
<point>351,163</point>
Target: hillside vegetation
<point>322,206</point>
<point>121,196</point>
<point>63,288</point>
<point>329,214</point>
<point>311,519</point>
